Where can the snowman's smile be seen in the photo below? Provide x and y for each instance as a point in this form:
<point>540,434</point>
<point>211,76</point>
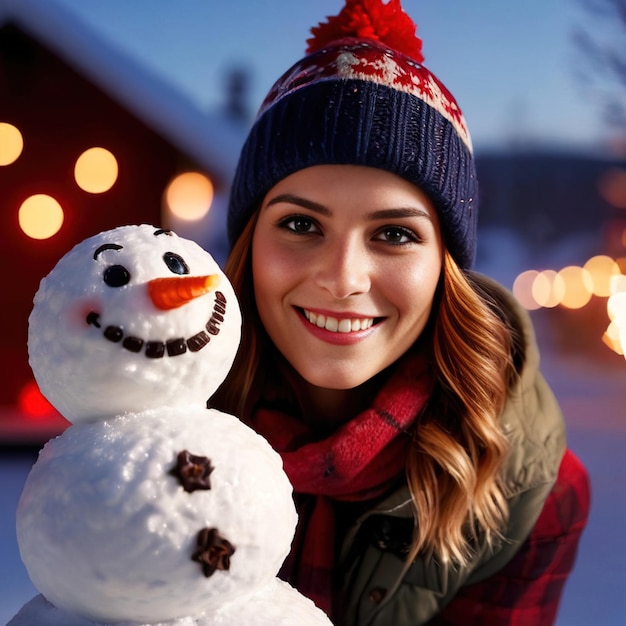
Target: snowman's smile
<point>172,347</point>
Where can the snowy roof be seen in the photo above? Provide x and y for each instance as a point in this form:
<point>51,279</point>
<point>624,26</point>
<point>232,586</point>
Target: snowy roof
<point>209,139</point>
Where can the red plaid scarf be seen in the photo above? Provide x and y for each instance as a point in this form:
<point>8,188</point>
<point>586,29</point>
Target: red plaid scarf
<point>361,460</point>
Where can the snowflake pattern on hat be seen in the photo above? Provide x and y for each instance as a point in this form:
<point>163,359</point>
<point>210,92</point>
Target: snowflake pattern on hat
<point>362,60</point>
<point>362,96</point>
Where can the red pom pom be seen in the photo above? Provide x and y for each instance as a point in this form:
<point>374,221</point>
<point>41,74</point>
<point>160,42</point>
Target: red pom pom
<point>370,19</point>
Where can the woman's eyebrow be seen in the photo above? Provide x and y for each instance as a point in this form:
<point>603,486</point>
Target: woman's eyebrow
<point>399,212</point>
<point>391,213</point>
<point>299,201</point>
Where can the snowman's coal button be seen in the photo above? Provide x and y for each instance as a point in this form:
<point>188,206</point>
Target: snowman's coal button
<point>192,471</point>
<point>213,551</point>
<point>155,349</point>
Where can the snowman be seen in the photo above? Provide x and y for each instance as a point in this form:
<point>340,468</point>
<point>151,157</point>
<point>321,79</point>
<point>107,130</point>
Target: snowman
<point>150,509</point>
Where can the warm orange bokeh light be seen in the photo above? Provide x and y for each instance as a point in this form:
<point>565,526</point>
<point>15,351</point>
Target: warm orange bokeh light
<point>40,216</point>
<point>578,287</point>
<point>523,289</point>
<point>615,335</point>
<point>611,338</point>
<point>96,170</point>
<point>602,268</point>
<point>548,289</point>
<point>189,196</point>
<point>616,305</point>
<point>11,143</point>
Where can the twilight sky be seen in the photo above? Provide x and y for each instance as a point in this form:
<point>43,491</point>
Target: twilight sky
<point>511,65</point>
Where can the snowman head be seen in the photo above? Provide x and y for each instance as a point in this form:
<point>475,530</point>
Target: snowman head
<point>132,319</point>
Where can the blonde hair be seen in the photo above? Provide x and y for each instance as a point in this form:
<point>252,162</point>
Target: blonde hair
<point>454,465</point>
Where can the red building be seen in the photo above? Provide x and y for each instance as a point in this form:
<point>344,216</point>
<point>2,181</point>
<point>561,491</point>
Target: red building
<point>64,92</point>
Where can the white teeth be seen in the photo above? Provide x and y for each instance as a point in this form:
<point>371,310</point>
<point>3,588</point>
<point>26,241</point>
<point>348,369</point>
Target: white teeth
<point>338,326</point>
<point>331,324</point>
<point>345,326</point>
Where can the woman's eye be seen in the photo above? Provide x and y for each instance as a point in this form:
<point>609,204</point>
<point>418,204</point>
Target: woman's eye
<point>299,224</point>
<point>396,235</point>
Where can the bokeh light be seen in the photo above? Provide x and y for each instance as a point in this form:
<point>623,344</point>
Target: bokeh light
<point>40,216</point>
<point>11,143</point>
<point>578,287</point>
<point>548,289</point>
<point>615,335</point>
<point>573,287</point>
<point>523,289</point>
<point>611,338</point>
<point>96,170</point>
<point>602,268</point>
<point>189,196</point>
<point>616,304</point>
<point>32,403</point>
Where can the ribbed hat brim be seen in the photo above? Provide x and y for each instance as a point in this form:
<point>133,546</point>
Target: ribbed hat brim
<point>359,122</point>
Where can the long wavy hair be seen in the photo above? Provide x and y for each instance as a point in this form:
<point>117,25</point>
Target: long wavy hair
<point>454,466</point>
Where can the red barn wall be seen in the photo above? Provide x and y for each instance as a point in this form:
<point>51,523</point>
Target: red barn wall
<point>61,114</point>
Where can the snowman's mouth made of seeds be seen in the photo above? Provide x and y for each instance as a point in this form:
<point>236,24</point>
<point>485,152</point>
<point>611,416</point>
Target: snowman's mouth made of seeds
<point>171,347</point>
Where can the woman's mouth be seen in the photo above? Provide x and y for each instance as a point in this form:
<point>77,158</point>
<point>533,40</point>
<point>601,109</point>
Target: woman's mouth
<point>338,325</point>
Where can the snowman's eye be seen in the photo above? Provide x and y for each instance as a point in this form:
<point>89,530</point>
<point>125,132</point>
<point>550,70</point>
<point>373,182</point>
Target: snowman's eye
<point>175,263</point>
<point>116,276</point>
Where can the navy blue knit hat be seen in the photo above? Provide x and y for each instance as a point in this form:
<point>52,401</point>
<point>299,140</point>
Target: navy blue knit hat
<point>362,97</point>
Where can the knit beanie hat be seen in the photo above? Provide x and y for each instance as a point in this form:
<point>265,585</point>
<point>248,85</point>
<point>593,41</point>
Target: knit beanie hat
<point>361,96</point>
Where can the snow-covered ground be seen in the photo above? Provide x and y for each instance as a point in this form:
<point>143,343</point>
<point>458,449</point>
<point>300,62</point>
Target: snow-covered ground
<point>593,398</point>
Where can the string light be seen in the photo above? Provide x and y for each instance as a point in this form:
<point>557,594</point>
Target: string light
<point>96,170</point>
<point>189,196</point>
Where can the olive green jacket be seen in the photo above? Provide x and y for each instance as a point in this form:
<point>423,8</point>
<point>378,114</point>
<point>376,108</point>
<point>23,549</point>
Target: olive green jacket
<point>380,588</point>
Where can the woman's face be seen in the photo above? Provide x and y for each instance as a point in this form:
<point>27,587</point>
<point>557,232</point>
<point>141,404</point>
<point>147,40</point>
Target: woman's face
<point>345,261</point>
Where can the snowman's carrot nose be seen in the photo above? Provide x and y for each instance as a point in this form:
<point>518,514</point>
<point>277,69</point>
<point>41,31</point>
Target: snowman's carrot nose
<point>170,293</point>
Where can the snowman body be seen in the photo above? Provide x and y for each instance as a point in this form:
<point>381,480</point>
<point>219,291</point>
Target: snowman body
<point>150,509</point>
<point>104,506</point>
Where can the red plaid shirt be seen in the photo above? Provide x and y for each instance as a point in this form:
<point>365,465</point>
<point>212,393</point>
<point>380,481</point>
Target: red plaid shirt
<point>528,590</point>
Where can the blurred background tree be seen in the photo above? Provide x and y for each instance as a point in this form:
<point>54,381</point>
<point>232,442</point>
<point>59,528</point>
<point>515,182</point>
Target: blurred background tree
<point>601,50</point>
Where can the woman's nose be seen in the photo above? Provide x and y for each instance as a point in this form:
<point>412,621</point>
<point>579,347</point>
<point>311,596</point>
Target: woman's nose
<point>343,269</point>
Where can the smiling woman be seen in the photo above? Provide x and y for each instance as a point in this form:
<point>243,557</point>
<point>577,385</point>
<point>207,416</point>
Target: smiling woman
<point>329,246</point>
<point>401,388</point>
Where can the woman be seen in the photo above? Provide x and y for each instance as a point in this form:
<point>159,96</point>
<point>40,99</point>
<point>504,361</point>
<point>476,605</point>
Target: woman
<point>401,389</point>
